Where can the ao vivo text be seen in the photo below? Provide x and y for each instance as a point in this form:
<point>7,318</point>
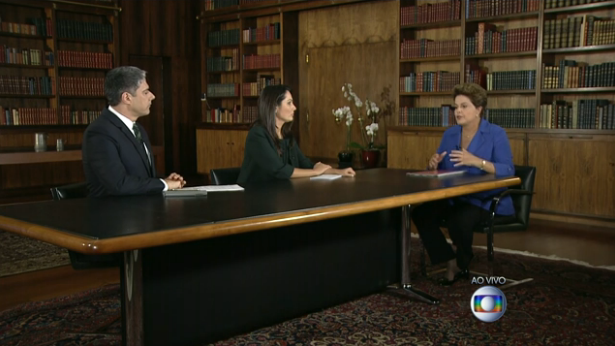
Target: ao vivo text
<point>489,280</point>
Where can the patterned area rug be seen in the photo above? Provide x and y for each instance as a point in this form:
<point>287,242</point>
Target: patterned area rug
<point>20,254</point>
<point>565,304</point>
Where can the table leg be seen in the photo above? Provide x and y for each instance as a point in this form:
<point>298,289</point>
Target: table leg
<point>132,291</point>
<point>406,248</point>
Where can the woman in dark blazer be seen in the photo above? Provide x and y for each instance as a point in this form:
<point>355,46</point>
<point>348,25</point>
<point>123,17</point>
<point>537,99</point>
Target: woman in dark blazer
<point>271,151</point>
<point>477,147</point>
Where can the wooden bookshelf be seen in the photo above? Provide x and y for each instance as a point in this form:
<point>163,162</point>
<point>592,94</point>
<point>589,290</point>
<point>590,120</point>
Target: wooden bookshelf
<point>560,154</point>
<point>54,22</point>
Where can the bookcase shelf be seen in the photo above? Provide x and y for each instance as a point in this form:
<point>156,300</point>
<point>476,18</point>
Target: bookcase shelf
<point>223,72</point>
<point>31,37</point>
<point>262,69</point>
<point>27,96</point>
<point>445,24</point>
<point>226,46</point>
<point>426,93</point>
<point>501,55</point>
<point>580,8</point>
<point>533,14</point>
<point>82,68</point>
<point>435,58</point>
<point>511,92</point>
<point>585,49</point>
<point>74,40</point>
<point>261,43</point>
<point>82,96</point>
<point>579,90</point>
<point>22,66</point>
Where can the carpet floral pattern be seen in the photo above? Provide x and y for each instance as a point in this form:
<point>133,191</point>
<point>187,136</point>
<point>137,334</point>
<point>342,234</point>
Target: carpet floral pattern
<point>19,255</point>
<point>565,304</point>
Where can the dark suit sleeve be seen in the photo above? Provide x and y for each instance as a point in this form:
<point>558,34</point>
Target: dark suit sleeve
<point>103,154</point>
<point>260,149</point>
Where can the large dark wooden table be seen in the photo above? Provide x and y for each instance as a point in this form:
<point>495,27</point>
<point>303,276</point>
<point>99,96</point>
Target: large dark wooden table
<point>198,269</point>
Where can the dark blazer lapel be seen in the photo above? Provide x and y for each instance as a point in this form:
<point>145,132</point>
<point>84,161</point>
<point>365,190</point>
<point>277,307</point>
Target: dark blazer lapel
<point>122,127</point>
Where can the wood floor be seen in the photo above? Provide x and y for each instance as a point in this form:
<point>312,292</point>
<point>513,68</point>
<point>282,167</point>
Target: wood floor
<point>590,244</point>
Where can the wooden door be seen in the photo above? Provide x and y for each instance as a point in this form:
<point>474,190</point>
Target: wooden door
<point>354,44</point>
<point>575,174</point>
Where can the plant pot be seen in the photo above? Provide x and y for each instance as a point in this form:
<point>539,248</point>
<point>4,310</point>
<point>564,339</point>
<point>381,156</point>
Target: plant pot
<point>345,159</point>
<point>370,158</point>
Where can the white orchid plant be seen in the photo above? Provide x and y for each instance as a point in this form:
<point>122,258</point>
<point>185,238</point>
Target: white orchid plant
<point>371,110</point>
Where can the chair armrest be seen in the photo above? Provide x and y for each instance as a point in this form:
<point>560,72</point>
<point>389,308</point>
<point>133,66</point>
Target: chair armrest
<point>496,200</point>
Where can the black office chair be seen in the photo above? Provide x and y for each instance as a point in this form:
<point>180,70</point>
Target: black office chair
<point>522,200</point>
<point>224,176</point>
<point>79,260</point>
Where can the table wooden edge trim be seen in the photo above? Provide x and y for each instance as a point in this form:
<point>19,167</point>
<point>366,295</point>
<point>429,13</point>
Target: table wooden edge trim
<point>220,229</point>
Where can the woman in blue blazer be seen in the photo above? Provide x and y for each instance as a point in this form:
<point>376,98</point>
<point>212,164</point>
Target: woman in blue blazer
<point>477,147</point>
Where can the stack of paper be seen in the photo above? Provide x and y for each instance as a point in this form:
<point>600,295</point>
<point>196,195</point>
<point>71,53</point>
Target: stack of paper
<point>326,177</point>
<point>202,190</point>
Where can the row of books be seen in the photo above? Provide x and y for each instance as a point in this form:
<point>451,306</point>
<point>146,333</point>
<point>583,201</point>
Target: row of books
<point>23,85</point>
<point>566,3</point>
<point>444,116</point>
<point>429,81</point>
<point>587,30</point>
<point>82,86</point>
<point>428,116</point>
<point>89,31</point>
<point>223,90</point>
<point>254,89</point>
<point>235,115</point>
<point>267,33</point>
<point>34,27</point>
<point>511,80</point>
<point>431,13</point>
<point>261,61</point>
<point>579,114</point>
<point>492,8</point>
<point>223,38</point>
<point>211,5</point>
<point>85,59</point>
<point>572,74</point>
<point>223,63</point>
<point>25,56</point>
<point>505,41</point>
<point>425,48</point>
<point>524,118</point>
<point>46,116</point>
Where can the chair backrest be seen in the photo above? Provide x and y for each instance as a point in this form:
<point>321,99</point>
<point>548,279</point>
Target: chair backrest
<point>523,203</point>
<point>78,190</point>
<point>224,176</point>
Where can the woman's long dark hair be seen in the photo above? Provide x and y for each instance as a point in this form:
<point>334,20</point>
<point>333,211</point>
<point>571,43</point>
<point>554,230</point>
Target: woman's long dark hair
<point>271,97</point>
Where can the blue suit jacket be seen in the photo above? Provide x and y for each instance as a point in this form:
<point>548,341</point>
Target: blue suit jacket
<point>489,143</point>
<point>114,162</point>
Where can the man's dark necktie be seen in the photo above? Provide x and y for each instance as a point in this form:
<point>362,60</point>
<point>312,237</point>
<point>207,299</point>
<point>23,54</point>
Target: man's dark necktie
<point>137,131</point>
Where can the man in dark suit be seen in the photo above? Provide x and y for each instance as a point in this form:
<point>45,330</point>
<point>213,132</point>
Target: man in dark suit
<point>117,154</point>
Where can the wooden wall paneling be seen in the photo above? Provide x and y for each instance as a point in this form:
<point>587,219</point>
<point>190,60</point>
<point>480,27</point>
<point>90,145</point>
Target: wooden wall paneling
<point>518,145</point>
<point>345,44</point>
<point>575,174</point>
<point>169,30</point>
<point>411,149</point>
<point>290,64</point>
<point>219,148</point>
